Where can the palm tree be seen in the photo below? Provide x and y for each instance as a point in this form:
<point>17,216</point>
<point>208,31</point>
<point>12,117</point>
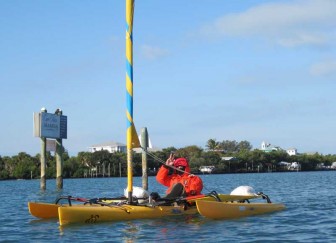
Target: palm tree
<point>212,144</point>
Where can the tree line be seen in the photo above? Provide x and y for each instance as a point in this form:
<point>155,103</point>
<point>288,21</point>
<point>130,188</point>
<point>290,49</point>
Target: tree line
<point>102,163</point>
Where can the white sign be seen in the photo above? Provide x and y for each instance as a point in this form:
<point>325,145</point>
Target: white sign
<point>50,125</point>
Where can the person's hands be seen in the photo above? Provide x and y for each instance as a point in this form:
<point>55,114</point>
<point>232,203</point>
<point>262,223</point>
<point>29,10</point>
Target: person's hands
<point>170,160</point>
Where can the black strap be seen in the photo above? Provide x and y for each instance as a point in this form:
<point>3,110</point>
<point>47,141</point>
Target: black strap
<point>264,196</point>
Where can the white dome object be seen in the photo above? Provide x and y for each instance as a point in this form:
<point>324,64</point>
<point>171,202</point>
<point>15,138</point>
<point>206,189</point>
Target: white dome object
<point>243,191</point>
<point>138,192</point>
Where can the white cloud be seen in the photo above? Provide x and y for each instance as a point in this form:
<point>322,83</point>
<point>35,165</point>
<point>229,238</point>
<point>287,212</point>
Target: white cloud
<point>153,52</point>
<point>303,39</point>
<point>323,68</point>
<point>293,23</point>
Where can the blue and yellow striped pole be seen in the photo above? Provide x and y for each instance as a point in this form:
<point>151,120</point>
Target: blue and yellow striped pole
<point>129,94</point>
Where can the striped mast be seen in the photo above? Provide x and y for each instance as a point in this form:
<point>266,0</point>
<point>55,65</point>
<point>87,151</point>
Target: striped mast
<point>129,95</point>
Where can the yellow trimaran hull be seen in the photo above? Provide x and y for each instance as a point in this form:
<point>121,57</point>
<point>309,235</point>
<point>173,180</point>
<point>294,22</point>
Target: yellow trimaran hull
<point>50,210</point>
<point>228,208</point>
<point>207,207</point>
<point>97,213</point>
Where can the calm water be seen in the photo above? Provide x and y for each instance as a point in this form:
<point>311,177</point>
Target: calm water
<point>310,198</point>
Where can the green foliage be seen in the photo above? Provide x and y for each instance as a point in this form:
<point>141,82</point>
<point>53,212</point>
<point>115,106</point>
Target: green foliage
<point>213,145</point>
<point>103,163</point>
<point>3,172</point>
<point>22,166</point>
<point>211,158</point>
<point>229,146</point>
<point>244,146</point>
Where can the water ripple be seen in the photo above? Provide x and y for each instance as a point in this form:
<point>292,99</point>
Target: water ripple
<point>310,215</point>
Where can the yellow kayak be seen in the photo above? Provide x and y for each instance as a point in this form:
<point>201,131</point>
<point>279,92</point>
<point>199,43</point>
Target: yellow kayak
<point>98,213</point>
<point>230,210</point>
<point>112,212</point>
<point>118,209</point>
<point>50,210</point>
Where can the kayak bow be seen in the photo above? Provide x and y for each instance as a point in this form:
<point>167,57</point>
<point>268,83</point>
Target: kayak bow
<point>43,210</point>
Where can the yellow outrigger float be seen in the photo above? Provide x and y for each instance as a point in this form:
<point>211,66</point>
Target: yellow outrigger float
<point>231,210</point>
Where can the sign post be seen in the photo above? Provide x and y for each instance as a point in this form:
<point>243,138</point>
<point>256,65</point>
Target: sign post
<point>43,182</point>
<point>59,158</point>
<point>47,125</point>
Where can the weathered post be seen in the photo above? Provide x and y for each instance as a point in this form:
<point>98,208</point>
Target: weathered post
<point>59,164</point>
<point>59,158</point>
<point>144,145</point>
<point>43,182</point>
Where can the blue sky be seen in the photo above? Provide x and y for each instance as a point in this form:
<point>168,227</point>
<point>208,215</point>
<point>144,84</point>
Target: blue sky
<point>229,70</point>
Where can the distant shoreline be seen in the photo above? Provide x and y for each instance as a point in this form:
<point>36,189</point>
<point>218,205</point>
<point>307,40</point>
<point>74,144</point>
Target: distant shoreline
<point>101,177</point>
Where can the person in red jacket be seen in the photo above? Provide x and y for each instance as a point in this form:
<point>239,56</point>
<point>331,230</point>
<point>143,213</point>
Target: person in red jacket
<point>180,182</point>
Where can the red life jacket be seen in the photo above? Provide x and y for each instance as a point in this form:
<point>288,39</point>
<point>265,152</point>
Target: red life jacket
<point>193,185</point>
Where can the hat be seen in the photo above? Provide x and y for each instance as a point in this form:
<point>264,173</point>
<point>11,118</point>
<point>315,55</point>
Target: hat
<point>181,162</point>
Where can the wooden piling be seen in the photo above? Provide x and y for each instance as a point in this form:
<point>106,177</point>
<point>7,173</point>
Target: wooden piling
<point>43,181</point>
<point>59,159</point>
<point>144,145</point>
<point>59,164</point>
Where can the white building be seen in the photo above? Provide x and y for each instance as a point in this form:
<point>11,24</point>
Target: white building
<point>114,147</point>
<point>111,147</point>
<point>267,147</point>
<point>291,151</point>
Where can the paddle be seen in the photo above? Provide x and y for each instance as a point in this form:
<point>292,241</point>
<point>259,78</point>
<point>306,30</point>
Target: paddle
<point>164,162</point>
